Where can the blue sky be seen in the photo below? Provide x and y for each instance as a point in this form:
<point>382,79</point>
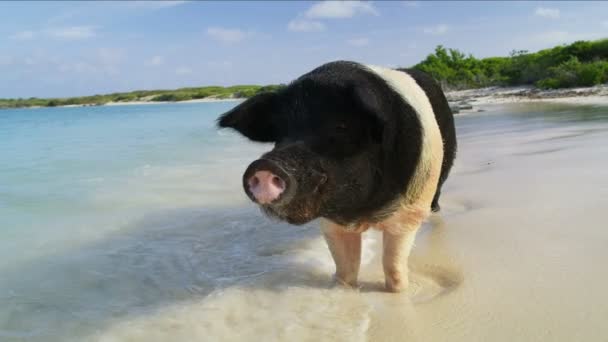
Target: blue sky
<point>55,49</point>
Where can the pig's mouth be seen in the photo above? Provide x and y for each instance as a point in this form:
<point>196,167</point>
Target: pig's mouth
<point>298,210</point>
<point>292,214</point>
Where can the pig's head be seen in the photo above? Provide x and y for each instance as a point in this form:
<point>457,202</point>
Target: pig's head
<point>333,155</point>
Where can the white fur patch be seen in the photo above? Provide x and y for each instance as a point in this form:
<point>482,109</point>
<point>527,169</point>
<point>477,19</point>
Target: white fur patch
<point>431,156</point>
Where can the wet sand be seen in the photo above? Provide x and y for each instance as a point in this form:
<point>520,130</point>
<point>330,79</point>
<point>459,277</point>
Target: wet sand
<point>597,95</point>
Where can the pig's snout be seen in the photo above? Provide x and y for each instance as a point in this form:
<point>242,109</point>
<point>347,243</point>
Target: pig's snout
<point>265,182</point>
<point>265,186</point>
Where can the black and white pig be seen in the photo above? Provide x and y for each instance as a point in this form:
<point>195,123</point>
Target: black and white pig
<point>357,146</point>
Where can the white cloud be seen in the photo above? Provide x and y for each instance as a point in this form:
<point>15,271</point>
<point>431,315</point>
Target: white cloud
<point>72,32</point>
<point>359,42</point>
<point>226,35</point>
<point>301,25</point>
<point>63,33</point>
<point>154,61</point>
<point>436,30</point>
<point>340,9</point>
<point>183,70</point>
<point>551,13</point>
<point>23,35</point>
<point>329,10</point>
<point>411,4</point>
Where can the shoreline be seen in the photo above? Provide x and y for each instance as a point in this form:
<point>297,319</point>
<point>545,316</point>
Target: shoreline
<point>134,103</point>
<point>131,103</point>
<point>469,100</point>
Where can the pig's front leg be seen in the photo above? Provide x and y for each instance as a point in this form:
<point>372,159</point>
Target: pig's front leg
<point>397,245</point>
<point>345,248</point>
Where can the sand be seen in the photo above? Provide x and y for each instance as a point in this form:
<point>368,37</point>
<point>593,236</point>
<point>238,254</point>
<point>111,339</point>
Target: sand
<point>504,95</point>
<point>517,254</point>
<point>208,100</point>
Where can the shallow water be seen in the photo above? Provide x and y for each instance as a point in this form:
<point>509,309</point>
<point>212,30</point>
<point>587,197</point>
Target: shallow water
<point>129,223</point>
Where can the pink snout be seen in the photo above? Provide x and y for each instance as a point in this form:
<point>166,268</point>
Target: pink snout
<point>265,186</point>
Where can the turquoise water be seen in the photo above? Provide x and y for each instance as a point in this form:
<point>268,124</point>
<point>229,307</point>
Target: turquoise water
<point>63,170</point>
<point>110,215</point>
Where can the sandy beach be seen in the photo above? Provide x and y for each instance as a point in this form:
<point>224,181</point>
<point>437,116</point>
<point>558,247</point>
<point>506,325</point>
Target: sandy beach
<point>504,95</point>
<point>209,100</point>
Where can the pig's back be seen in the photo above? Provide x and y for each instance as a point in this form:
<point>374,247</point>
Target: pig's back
<point>437,148</point>
<point>443,116</point>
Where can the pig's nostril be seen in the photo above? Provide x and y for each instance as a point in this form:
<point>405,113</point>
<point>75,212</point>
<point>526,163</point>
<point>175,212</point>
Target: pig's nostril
<point>278,182</point>
<point>253,182</point>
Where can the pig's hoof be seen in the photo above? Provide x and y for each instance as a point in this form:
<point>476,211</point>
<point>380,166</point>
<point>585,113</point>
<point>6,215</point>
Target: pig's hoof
<point>340,283</point>
<point>395,286</point>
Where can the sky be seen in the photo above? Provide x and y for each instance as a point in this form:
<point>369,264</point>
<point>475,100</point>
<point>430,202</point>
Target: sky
<point>73,48</point>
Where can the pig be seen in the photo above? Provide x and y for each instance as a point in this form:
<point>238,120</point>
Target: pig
<point>355,146</point>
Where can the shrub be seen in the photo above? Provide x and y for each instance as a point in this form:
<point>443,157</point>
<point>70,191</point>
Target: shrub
<point>581,63</point>
<point>172,97</point>
<point>573,73</point>
<point>591,74</point>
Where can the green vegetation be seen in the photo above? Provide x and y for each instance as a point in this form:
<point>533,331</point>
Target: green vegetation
<point>583,63</point>
<point>182,94</point>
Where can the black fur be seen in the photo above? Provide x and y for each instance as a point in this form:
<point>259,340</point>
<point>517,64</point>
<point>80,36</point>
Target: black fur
<point>343,124</point>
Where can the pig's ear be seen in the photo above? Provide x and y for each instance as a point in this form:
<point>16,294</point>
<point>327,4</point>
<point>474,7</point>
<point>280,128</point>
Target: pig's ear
<point>254,118</point>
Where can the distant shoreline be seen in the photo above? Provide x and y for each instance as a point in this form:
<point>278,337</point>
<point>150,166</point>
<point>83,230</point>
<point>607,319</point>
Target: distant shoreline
<point>235,99</point>
<point>135,103</point>
<point>192,95</point>
<point>468,100</point>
